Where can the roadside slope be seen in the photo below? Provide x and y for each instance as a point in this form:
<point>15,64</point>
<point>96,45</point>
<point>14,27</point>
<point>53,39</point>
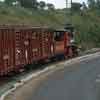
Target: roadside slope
<point>19,15</point>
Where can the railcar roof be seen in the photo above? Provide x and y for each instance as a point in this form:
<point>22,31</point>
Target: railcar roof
<point>25,27</point>
<point>29,27</point>
<point>61,30</point>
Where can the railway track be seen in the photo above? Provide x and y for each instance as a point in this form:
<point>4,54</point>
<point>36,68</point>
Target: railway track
<point>6,82</point>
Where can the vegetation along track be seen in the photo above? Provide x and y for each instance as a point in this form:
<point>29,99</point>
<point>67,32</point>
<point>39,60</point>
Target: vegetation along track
<point>7,82</point>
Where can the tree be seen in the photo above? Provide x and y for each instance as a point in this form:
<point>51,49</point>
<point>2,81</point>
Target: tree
<point>84,7</point>
<point>28,3</point>
<point>42,5</point>
<point>17,4</point>
<point>98,4</point>
<point>9,2</point>
<point>25,3</point>
<point>91,4</point>
<point>76,7</point>
<point>50,6</point>
<point>35,4</point>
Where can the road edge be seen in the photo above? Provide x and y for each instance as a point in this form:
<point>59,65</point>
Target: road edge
<point>50,68</point>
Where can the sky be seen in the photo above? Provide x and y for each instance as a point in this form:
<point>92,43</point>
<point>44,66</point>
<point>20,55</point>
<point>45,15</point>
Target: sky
<point>61,3</point>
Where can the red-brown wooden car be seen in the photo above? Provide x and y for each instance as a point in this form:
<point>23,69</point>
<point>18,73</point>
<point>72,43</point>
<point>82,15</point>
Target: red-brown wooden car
<point>20,46</point>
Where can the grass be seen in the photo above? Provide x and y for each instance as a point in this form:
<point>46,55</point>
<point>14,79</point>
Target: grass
<point>18,15</point>
<point>87,26</point>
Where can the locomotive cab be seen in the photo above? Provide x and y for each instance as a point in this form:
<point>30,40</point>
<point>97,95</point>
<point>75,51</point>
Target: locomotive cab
<point>58,36</point>
<point>59,42</point>
<point>64,43</point>
<point>72,44</point>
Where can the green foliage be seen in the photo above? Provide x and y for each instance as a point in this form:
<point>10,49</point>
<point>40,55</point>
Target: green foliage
<point>76,7</point>
<point>27,3</point>
<point>50,6</point>
<point>98,4</point>
<point>84,7</point>
<point>42,5</point>
<point>92,4</point>
<point>30,4</point>
<point>89,28</point>
<point>9,2</point>
<point>87,23</point>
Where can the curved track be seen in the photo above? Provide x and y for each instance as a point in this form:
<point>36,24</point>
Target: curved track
<point>77,84</point>
<point>80,81</point>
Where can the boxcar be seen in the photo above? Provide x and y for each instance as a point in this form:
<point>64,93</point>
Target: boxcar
<point>20,46</point>
<point>37,44</point>
<point>11,50</point>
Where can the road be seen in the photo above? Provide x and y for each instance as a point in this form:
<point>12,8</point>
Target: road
<point>80,81</point>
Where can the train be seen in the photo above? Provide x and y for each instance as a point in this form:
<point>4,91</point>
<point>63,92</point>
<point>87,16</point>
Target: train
<point>25,45</point>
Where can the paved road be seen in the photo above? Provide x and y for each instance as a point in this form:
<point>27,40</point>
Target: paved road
<point>79,84</point>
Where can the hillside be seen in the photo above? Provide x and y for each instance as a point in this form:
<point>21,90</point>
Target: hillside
<point>18,15</point>
<point>87,25</point>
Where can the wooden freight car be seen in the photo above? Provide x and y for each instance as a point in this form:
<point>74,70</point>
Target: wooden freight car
<point>20,46</point>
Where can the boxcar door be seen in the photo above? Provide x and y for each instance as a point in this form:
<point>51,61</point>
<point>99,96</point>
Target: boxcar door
<point>7,50</point>
<point>19,49</point>
<point>36,45</point>
<point>1,60</point>
<point>26,45</point>
<point>46,44</point>
<point>59,43</point>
